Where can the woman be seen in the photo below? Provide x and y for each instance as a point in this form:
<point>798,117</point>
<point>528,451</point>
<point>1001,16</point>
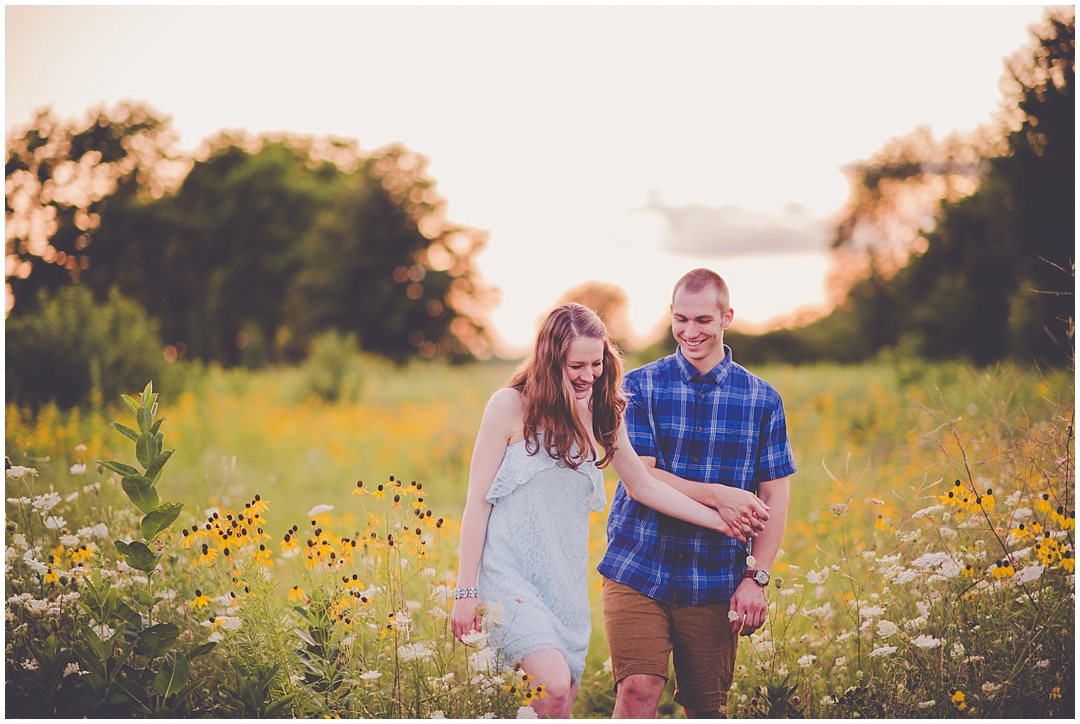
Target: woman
<point>535,476</point>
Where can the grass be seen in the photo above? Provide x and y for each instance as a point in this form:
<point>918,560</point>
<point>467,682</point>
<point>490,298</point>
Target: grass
<point>877,441</point>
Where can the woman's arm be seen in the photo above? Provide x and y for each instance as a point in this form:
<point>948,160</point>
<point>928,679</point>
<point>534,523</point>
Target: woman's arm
<point>743,510</point>
<point>501,418</point>
<point>647,490</point>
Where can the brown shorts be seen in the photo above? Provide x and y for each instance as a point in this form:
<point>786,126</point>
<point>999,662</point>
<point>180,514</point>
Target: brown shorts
<point>643,632</point>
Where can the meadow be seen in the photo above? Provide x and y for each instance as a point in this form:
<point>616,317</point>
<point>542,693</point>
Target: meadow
<point>927,568</point>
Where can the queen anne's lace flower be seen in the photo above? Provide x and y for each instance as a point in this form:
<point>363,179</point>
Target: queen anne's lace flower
<point>882,651</point>
<point>925,641</point>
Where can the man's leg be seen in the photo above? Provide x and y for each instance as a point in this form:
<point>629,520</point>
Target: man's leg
<point>704,648</point>
<point>639,635</point>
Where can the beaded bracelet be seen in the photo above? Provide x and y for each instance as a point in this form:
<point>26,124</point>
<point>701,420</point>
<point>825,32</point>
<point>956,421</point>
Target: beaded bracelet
<point>465,593</point>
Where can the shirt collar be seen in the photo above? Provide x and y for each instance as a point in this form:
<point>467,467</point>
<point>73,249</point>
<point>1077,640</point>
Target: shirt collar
<point>716,374</point>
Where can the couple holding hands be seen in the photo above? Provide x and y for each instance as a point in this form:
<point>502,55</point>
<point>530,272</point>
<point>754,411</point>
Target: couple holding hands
<point>703,460</point>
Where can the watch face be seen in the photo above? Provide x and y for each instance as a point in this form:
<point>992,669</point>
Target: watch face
<point>762,578</point>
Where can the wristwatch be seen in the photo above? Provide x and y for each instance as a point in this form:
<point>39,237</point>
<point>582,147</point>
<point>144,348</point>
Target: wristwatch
<point>758,576</point>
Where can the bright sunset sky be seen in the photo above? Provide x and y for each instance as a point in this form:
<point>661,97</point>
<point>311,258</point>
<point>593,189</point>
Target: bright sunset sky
<point>553,127</point>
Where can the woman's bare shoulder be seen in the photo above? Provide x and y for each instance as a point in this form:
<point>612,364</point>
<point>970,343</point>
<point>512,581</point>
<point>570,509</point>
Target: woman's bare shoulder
<point>506,410</point>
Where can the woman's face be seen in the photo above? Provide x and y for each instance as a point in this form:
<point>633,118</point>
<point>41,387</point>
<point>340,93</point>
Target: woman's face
<point>584,364</point>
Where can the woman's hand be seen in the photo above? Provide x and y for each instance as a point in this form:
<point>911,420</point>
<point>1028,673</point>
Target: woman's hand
<point>743,512</point>
<point>464,618</point>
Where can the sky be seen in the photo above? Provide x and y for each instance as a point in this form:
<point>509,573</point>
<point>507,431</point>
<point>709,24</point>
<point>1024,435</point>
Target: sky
<point>621,144</point>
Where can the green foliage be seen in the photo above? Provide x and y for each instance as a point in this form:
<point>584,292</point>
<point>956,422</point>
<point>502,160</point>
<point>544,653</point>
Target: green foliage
<point>334,370</point>
<point>74,350</point>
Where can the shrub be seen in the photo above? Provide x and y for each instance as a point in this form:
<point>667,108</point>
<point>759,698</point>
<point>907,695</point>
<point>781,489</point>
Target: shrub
<point>73,350</point>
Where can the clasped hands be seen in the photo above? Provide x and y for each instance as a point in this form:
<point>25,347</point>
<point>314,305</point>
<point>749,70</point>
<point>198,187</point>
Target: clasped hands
<point>744,514</point>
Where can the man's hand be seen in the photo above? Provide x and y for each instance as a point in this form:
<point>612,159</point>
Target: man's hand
<point>749,606</point>
<point>743,511</point>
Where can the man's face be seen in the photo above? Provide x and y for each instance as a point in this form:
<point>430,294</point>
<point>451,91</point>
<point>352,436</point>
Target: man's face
<point>698,323</point>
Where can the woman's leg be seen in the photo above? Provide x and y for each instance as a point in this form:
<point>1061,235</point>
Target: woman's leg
<point>549,669</point>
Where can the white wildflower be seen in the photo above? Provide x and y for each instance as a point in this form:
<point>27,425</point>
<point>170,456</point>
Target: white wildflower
<point>526,712</point>
<point>925,641</point>
<point>869,555</point>
<point>29,664</point>
<point>1021,514</point>
<point>838,509</point>
<point>927,704</point>
<point>947,532</point>
<point>370,675</point>
<point>882,651</point>
<point>20,540</point>
<point>1028,574</point>
<point>607,665</point>
<point>17,471</point>
<point>957,650</point>
<point>806,661</point>
<point>35,565</point>
<point>55,522</point>
<point>950,569</point>
<point>927,511</point>
<point>92,488</point>
<point>71,496</point>
<point>437,715</point>
<point>930,560</point>
<point>474,638</point>
<point>412,652</point>
<point>72,668</point>
<point>80,448</point>
<point>840,661</point>
<point>96,531</point>
<point>817,578</point>
<point>827,700</point>
<point>78,469</point>
<point>69,540</point>
<point>20,501</point>
<point>886,628</point>
<point>320,509</point>
<point>428,573</point>
<point>871,611</point>
<point>104,632</point>
<point>483,660</point>
<point>44,503</point>
<point>906,576</point>
<point>437,612</point>
<point>923,608</point>
<point>216,636</point>
<point>990,687</point>
<point>231,623</point>
<point>1042,664</point>
<point>973,659</point>
<point>790,610</point>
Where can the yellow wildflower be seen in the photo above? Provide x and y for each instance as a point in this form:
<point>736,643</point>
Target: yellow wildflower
<point>258,506</point>
<point>379,493</point>
<point>209,555</point>
<point>1058,516</point>
<point>188,538</point>
<point>1055,693</point>
<point>1043,506</point>
<point>969,571</point>
<point>297,594</point>
<point>987,500</point>
<point>289,543</point>
<point>1067,561</point>
<point>51,576</point>
<point>1021,533</point>
<point>359,489</point>
<point>1003,569</point>
<point>958,699</point>
<point>200,599</point>
<point>262,557</point>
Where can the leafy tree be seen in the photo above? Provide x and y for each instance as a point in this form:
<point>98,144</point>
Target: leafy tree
<point>611,303</point>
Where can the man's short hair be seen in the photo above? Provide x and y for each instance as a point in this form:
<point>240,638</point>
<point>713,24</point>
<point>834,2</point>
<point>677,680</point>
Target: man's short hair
<point>697,279</point>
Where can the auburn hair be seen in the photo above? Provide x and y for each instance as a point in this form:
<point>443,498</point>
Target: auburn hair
<point>549,396</point>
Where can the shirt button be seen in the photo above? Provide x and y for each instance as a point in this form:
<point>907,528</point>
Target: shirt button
<point>695,460</point>
<point>699,428</point>
<point>702,395</point>
<point>680,556</point>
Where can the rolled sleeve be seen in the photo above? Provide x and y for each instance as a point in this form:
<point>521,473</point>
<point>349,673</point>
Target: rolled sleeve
<point>639,427</point>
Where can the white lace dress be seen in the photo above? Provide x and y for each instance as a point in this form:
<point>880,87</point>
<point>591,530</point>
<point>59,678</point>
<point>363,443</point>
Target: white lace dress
<point>536,556</point>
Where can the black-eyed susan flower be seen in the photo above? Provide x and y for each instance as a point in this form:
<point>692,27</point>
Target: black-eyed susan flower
<point>968,572</point>
<point>958,699</point>
<point>359,489</point>
<point>262,557</point>
<point>1021,533</point>
<point>1067,561</point>
<point>987,501</point>
<point>201,600</point>
<point>1003,569</point>
<point>379,493</point>
<point>297,594</point>
<point>289,543</point>
<point>259,506</point>
<point>188,538</point>
<point>209,555</point>
<point>1043,503</point>
<point>1055,693</point>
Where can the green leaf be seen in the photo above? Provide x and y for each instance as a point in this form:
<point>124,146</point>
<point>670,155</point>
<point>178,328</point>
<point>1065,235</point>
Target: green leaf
<point>129,615</point>
<point>131,403</point>
<point>147,599</point>
<point>97,646</point>
<point>142,492</point>
<point>154,471</point>
<point>158,442</point>
<point>138,555</point>
<point>201,650</point>
<point>126,430</point>
<point>157,640</point>
<point>159,519</point>
<point>144,450</point>
<point>118,467</point>
<point>173,674</point>
<point>277,705</point>
<point>147,391</point>
<point>143,418</point>
<point>156,426</point>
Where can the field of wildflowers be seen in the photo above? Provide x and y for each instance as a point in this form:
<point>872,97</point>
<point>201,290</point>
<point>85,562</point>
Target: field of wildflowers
<point>928,569</point>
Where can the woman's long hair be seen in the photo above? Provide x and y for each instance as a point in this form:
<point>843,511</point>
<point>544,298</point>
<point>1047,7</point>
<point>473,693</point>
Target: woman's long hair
<point>549,396</point>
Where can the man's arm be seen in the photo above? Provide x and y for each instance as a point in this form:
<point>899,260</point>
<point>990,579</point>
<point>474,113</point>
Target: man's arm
<point>744,511</point>
<point>749,601</point>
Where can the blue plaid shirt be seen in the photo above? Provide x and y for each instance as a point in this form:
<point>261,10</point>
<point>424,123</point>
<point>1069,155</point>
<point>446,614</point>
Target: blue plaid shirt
<point>727,427</point>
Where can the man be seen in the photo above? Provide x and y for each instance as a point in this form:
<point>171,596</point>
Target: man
<point>669,586</point>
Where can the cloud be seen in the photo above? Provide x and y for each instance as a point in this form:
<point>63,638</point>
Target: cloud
<point>730,231</point>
